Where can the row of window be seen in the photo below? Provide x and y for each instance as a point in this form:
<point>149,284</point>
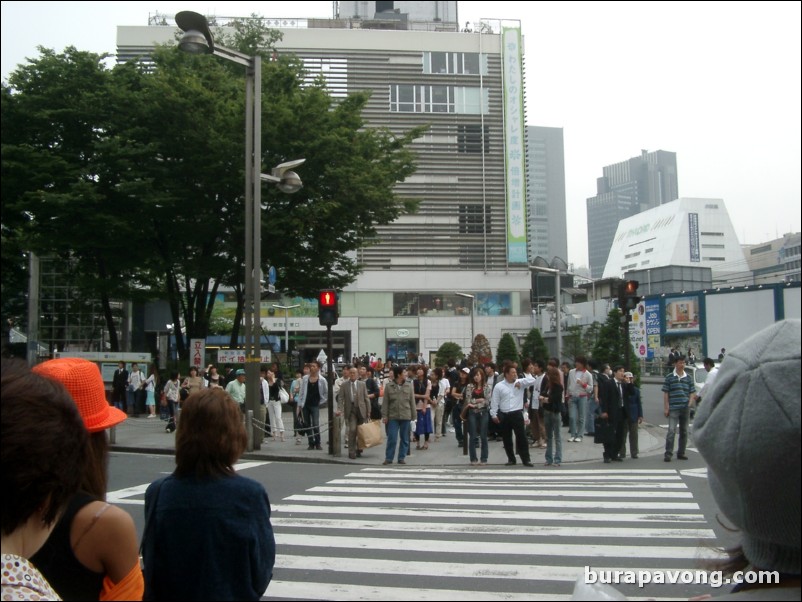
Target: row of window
<point>418,98</point>
<point>459,63</point>
<point>449,304</point>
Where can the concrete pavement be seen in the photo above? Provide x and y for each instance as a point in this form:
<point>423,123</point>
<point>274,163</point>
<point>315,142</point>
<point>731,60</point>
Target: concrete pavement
<point>147,435</point>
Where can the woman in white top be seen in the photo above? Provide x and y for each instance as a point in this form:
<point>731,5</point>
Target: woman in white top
<point>150,387</point>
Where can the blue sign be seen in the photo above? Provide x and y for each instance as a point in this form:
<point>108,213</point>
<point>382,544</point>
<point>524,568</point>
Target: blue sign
<point>652,326</point>
<point>271,275</point>
<point>693,236</point>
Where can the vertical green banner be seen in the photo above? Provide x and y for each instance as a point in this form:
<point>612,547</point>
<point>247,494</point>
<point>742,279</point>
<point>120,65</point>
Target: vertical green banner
<point>514,143</point>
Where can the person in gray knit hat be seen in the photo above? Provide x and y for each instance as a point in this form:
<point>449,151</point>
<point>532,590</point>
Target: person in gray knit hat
<point>748,431</point>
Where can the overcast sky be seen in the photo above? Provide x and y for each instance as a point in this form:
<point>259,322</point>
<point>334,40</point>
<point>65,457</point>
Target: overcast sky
<point>716,82</point>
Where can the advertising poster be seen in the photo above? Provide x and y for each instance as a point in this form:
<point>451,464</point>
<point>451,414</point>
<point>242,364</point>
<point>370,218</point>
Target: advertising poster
<point>637,331</point>
<point>682,315</point>
<point>653,341</point>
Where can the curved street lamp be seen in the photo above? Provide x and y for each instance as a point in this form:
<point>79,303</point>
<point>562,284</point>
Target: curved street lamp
<point>473,301</point>
<point>540,265</point>
<point>198,39</point>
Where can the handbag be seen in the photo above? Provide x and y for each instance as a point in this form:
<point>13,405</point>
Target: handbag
<point>604,432</point>
<point>369,434</point>
<point>283,396</point>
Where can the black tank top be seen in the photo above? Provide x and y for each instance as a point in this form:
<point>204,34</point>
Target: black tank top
<point>56,561</point>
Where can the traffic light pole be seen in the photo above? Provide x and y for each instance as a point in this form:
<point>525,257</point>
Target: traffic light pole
<point>330,378</point>
<point>627,340</point>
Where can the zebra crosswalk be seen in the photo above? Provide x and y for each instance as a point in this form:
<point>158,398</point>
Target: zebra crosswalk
<point>473,534</point>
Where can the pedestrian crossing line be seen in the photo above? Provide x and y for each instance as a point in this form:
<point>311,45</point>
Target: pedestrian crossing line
<point>501,470</point>
<point>123,496</point>
<point>401,473</point>
<point>502,502</point>
<point>551,549</point>
<point>495,529</point>
<point>518,491</point>
<point>476,482</point>
<point>304,590</point>
<point>482,515</point>
<point>371,566</point>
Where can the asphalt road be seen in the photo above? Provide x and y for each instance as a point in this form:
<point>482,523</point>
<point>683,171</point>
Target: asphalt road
<point>414,533</point>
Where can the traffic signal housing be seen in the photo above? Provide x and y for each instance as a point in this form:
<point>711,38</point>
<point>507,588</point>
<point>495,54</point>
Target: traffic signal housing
<point>628,297</point>
<point>328,310</point>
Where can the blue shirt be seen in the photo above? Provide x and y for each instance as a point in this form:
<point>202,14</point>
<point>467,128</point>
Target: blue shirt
<point>679,390</point>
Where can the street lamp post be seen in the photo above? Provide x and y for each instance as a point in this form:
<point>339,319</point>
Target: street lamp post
<point>170,329</point>
<point>198,39</point>
<point>286,309</point>
<point>556,272</point>
<point>473,301</point>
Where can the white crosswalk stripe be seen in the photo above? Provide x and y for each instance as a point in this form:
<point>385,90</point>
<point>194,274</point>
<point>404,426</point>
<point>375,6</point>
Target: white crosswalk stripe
<point>444,534</point>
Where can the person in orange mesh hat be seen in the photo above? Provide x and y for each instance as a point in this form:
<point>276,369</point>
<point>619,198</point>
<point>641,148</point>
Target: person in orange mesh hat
<point>92,553</point>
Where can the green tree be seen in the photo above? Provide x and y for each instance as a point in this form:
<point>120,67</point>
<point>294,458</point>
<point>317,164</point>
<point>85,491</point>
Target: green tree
<point>534,347</point>
<point>138,173</point>
<point>481,352</point>
<point>609,346</point>
<point>64,185</point>
<point>448,351</point>
<point>589,337</point>
<point>572,342</point>
<point>507,349</point>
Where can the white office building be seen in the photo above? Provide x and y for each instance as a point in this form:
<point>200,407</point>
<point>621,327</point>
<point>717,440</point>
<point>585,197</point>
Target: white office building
<point>687,232</point>
<point>469,234</point>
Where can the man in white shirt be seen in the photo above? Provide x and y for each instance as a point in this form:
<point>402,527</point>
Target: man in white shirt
<point>712,373</point>
<point>507,410</point>
<point>580,387</point>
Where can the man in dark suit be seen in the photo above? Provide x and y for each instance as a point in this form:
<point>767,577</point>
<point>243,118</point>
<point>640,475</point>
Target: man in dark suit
<point>353,406</point>
<point>612,394</point>
<point>119,386</point>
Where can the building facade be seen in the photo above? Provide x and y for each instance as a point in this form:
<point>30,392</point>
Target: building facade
<point>688,232</point>
<point>777,260</point>
<point>625,189</point>
<point>546,214</point>
<point>469,233</point>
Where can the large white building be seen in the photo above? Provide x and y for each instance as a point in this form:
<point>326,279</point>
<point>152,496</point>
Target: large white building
<point>469,234</point>
<point>688,232</point>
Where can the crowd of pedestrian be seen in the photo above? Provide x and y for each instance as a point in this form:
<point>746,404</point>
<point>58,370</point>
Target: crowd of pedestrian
<point>61,539</point>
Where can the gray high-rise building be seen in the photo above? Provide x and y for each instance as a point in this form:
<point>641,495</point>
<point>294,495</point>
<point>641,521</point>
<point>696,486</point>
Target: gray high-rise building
<point>625,189</point>
<point>545,193</point>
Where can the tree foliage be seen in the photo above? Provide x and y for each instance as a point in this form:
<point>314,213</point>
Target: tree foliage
<point>609,346</point>
<point>448,351</point>
<point>589,337</point>
<point>481,352</point>
<point>507,349</point>
<point>139,175</point>
<point>534,347</point>
<point>573,344</point>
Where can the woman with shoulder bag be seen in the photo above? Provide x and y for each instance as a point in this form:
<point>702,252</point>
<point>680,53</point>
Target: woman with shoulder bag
<point>423,424</point>
<point>274,406</point>
<point>552,407</point>
<point>149,385</point>
<point>476,405</point>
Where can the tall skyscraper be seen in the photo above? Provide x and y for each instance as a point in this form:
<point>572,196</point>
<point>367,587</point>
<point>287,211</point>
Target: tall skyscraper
<point>545,193</point>
<point>625,189</point>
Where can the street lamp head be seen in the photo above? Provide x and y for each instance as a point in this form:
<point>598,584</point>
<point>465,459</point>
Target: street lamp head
<point>194,42</point>
<point>197,35</point>
<point>290,182</point>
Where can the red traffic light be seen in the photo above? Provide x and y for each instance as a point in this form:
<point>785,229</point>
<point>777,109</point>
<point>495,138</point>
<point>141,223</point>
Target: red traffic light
<point>631,287</point>
<point>328,298</point>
